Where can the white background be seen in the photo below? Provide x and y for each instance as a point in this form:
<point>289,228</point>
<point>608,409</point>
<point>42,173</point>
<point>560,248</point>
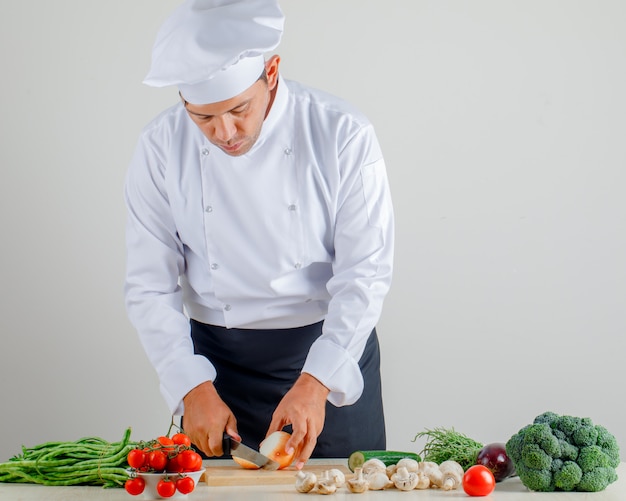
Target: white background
<point>503,125</point>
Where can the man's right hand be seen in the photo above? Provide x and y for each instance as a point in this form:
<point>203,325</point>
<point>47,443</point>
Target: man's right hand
<point>206,418</point>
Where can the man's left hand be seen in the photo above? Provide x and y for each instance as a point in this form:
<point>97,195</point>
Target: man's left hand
<point>304,408</point>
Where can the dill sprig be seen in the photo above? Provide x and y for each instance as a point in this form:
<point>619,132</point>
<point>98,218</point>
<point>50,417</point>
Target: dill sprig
<point>443,444</point>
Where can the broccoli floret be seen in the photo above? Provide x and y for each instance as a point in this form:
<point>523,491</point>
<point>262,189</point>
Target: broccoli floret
<point>568,476</point>
<point>567,424</point>
<point>608,443</point>
<point>592,457</point>
<point>535,480</point>
<point>535,458</point>
<point>546,417</point>
<point>564,453</point>
<point>596,480</point>
<point>541,434</point>
<point>585,435</point>
<point>568,451</point>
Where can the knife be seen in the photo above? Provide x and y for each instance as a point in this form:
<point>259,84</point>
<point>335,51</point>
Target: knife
<point>234,448</point>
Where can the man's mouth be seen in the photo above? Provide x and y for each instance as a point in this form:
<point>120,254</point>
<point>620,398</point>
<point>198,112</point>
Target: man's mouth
<point>232,147</point>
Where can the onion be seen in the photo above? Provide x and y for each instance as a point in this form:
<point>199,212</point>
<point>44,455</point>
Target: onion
<point>274,448</point>
<point>494,457</point>
<point>248,465</point>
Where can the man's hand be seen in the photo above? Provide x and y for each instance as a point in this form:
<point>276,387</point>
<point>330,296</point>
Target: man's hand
<point>206,419</point>
<point>304,408</point>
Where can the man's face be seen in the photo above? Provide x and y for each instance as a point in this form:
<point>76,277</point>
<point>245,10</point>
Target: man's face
<point>233,125</point>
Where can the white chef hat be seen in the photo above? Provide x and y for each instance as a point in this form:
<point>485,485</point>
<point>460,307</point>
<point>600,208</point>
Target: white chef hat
<point>214,50</point>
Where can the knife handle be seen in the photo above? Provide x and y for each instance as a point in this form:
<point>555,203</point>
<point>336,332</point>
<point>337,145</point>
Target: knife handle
<point>226,443</point>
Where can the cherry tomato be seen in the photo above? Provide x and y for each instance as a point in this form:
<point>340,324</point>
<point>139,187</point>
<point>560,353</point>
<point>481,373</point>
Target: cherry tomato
<point>181,439</point>
<point>185,485</point>
<point>190,460</point>
<point>165,441</point>
<point>157,460</point>
<point>478,480</point>
<point>136,458</point>
<point>174,465</point>
<point>166,488</point>
<point>135,486</point>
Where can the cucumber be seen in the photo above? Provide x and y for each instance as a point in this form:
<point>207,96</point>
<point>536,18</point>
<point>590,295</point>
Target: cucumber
<point>357,458</point>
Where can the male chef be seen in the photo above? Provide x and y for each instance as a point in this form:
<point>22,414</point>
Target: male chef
<point>259,242</point>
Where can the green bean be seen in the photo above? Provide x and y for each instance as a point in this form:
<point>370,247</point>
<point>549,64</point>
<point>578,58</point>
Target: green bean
<point>88,461</point>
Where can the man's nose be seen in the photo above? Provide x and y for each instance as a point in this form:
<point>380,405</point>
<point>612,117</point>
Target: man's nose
<point>224,128</point>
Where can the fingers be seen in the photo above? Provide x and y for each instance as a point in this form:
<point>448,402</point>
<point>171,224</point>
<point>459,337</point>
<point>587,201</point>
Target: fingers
<point>305,445</point>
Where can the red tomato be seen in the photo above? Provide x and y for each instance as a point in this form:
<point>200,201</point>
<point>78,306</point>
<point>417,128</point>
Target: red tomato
<point>165,441</point>
<point>185,485</point>
<point>135,486</point>
<point>478,480</point>
<point>190,460</point>
<point>166,488</point>
<point>136,458</point>
<point>174,465</point>
<point>157,460</point>
<point>181,439</point>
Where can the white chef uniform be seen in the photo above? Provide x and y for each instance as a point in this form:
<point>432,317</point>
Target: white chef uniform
<point>297,230</point>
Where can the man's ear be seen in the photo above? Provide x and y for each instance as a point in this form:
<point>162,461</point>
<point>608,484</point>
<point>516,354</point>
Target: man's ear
<point>271,71</point>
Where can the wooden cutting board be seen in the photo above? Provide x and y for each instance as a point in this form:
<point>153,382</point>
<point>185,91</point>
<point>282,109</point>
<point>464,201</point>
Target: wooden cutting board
<point>227,472</point>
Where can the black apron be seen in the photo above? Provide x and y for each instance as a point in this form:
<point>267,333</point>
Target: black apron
<point>255,368</point>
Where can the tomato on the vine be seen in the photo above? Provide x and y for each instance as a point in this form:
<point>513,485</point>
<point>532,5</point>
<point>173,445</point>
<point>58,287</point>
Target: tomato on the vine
<point>478,480</point>
<point>166,488</point>
<point>157,460</point>
<point>136,458</point>
<point>190,460</point>
<point>174,464</point>
<point>165,441</point>
<point>135,486</point>
<point>181,439</point>
<point>185,485</point>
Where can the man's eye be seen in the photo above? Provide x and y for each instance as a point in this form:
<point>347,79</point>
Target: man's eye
<point>241,109</point>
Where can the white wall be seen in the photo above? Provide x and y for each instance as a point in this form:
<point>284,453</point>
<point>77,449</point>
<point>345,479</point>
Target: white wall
<point>503,128</point>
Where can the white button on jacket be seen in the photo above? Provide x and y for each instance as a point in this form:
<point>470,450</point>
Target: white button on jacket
<point>298,230</point>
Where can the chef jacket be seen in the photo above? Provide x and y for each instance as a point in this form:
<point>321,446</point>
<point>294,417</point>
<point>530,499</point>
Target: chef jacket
<point>297,230</point>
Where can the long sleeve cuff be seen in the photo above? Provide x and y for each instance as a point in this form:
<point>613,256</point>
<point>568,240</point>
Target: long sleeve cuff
<point>182,378</point>
<point>333,366</point>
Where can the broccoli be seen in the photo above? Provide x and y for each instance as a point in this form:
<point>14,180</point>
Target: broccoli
<point>564,453</point>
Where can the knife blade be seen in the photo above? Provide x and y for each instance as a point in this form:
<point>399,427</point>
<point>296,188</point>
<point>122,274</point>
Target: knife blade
<point>237,449</point>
